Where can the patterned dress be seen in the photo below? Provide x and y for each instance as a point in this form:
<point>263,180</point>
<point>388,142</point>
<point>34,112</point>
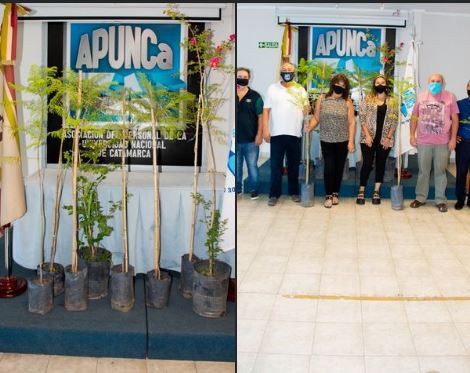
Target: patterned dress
<point>334,124</point>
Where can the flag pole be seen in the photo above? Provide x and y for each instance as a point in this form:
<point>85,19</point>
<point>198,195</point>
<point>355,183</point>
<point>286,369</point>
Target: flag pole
<point>10,286</point>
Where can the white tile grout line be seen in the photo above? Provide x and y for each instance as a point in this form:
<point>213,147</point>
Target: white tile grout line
<point>360,290</point>
<point>269,315</point>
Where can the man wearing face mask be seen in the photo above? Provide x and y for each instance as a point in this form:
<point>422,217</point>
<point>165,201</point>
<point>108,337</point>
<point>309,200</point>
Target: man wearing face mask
<point>462,151</point>
<point>248,131</point>
<point>434,124</point>
<point>286,104</point>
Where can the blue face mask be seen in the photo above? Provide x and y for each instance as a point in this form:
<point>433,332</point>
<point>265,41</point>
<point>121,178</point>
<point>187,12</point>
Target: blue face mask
<point>435,87</point>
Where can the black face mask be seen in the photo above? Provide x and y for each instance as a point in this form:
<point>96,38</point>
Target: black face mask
<point>242,81</point>
<point>287,76</point>
<point>380,88</point>
<point>468,92</point>
<point>338,89</point>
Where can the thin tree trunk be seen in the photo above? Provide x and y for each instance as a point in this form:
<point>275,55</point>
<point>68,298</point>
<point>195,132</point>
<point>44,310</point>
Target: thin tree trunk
<point>43,218</point>
<point>196,149</point>
<point>41,199</point>
<point>125,264</point>
<point>195,183</point>
<point>58,195</point>
<point>211,164</point>
<point>156,195</point>
<point>75,157</point>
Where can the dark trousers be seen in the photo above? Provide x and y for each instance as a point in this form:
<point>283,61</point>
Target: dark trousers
<point>368,154</point>
<point>334,156</point>
<point>462,160</point>
<point>290,146</point>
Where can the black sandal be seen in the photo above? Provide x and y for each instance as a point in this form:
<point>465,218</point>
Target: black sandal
<point>376,198</point>
<point>361,200</point>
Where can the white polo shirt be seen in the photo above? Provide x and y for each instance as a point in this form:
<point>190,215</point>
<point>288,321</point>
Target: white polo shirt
<point>287,106</point>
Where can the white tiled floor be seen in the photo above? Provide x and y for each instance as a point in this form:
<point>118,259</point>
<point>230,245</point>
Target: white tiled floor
<point>356,251</point>
<point>21,363</point>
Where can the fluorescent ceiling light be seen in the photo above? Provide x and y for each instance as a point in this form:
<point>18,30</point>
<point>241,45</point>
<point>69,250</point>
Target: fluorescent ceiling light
<point>343,20</point>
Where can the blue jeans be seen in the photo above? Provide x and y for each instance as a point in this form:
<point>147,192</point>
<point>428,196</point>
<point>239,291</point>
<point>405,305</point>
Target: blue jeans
<point>249,152</point>
<point>462,160</point>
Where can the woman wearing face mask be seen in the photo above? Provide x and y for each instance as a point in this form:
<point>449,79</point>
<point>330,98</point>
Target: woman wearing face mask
<point>378,114</point>
<point>334,112</point>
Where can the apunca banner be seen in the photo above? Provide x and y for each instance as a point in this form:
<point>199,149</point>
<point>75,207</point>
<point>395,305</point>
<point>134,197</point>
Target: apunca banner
<point>408,100</point>
<point>228,203</point>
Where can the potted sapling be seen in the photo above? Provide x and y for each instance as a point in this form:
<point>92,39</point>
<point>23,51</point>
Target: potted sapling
<point>122,275</point>
<point>81,100</point>
<point>208,58</point>
<point>41,84</point>
<point>165,111</point>
<point>211,276</point>
<point>92,219</point>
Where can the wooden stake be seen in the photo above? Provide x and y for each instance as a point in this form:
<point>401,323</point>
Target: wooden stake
<point>58,195</point>
<point>124,192</point>
<point>75,156</point>
<point>195,183</point>
<point>156,195</point>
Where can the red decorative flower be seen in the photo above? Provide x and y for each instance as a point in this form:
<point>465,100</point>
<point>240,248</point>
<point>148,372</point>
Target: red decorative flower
<point>386,59</point>
<point>232,37</point>
<point>219,48</point>
<point>193,41</point>
<point>214,62</point>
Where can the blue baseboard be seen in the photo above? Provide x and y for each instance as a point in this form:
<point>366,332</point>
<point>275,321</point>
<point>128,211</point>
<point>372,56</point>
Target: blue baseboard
<point>350,186</point>
<point>176,332</point>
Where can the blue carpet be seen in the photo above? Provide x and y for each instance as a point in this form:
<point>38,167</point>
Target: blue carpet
<point>173,333</point>
<point>350,186</point>
<point>176,332</point>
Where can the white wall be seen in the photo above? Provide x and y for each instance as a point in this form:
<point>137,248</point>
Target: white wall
<point>32,49</point>
<point>222,30</point>
<point>445,49</point>
<point>32,53</point>
<point>255,25</point>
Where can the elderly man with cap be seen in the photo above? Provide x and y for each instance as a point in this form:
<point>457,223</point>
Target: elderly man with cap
<point>286,104</point>
<point>434,125</point>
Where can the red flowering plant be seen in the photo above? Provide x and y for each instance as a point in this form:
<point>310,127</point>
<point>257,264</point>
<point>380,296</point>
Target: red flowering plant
<point>388,57</point>
<point>216,81</point>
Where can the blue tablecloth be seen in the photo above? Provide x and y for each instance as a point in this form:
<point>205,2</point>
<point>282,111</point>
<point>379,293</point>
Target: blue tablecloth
<point>176,203</point>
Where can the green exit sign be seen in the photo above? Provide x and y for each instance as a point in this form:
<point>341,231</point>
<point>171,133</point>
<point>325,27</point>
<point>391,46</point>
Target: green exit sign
<point>268,44</point>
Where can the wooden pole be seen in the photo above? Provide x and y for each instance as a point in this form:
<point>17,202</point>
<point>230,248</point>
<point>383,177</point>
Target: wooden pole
<point>75,156</point>
<point>156,195</point>
<point>125,266</point>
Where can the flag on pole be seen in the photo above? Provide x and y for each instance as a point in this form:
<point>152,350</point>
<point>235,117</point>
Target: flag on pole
<point>228,202</point>
<point>286,45</point>
<point>408,99</point>
<point>12,193</point>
